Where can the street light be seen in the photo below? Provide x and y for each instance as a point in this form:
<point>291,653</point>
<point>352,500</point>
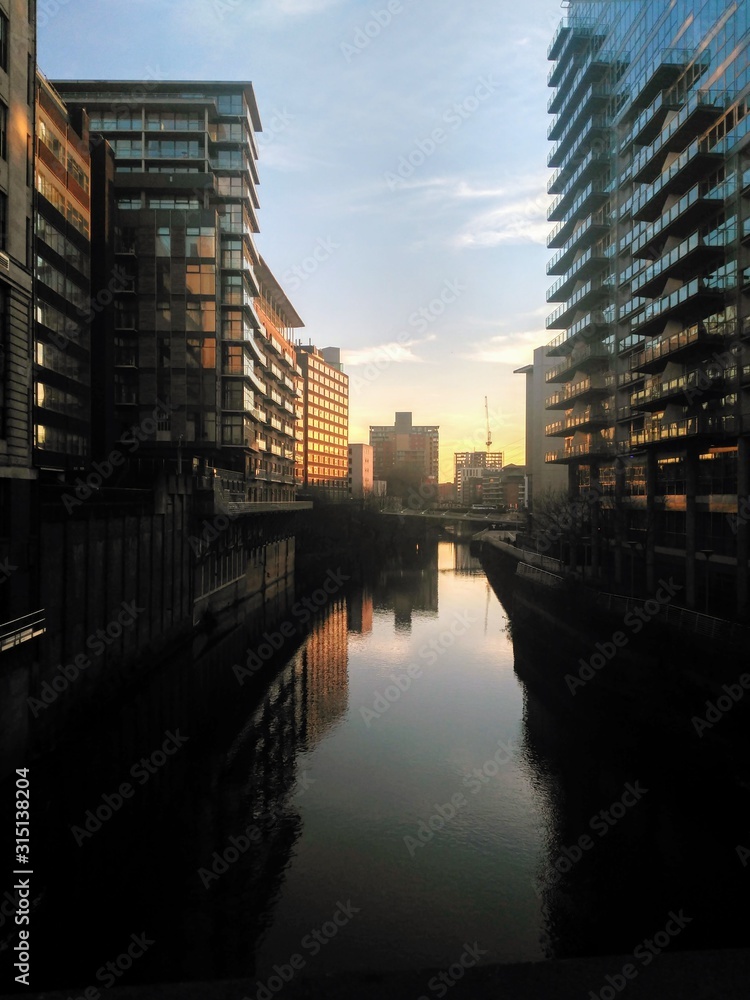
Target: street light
<point>707,553</point>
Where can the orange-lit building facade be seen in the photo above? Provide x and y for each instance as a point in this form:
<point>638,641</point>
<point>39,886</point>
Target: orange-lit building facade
<point>324,465</point>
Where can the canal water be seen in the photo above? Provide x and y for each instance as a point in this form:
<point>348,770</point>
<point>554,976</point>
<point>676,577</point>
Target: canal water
<point>369,787</point>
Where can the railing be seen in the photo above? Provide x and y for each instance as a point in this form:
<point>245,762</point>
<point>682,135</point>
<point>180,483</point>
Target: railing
<point>22,629</point>
<point>699,333</point>
<point>683,618</point>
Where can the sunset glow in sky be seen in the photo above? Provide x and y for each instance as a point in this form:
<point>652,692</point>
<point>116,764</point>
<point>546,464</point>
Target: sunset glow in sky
<point>403,179</point>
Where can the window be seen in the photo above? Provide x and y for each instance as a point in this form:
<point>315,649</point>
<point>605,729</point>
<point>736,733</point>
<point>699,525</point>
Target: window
<point>163,242</point>
<point>3,130</point>
<point>125,149</point>
<point>3,42</point>
<point>200,279</point>
<point>200,242</point>
<point>230,104</point>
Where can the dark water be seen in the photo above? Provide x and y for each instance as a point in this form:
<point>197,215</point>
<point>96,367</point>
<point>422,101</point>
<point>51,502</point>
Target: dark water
<point>386,791</point>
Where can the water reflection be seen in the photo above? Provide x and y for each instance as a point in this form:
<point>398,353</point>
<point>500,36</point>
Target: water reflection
<point>298,791</point>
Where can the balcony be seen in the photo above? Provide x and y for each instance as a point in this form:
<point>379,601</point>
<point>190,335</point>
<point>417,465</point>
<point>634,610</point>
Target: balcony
<point>692,255</point>
<point>700,112</point>
<point>692,384</point>
<point>19,630</point>
<point>661,73</point>
<point>590,232</point>
<point>577,134</point>
<point>567,179</point>
<point>592,387</point>
<point>593,293</point>
<point>693,300</point>
<point>595,98</point>
<point>563,29</point>
<point>572,78</point>
<point>595,448</point>
<point>588,264</point>
<point>588,359</point>
<point>716,426</point>
<point>593,197</point>
<point>691,165</point>
<point>650,122</point>
<point>680,220</point>
<point>705,337</point>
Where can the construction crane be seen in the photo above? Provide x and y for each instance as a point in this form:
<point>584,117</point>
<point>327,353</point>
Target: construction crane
<point>489,432</point>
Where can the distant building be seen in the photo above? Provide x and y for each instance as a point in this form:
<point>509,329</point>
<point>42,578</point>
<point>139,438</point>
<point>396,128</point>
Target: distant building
<point>541,476</point>
<point>513,487</point>
<point>360,470</point>
<point>404,446</point>
<point>477,477</point>
<point>325,437</point>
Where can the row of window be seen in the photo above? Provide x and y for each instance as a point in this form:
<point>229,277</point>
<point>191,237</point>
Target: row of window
<point>61,245</point>
<point>60,283</point>
<point>58,440</point>
<point>62,203</point>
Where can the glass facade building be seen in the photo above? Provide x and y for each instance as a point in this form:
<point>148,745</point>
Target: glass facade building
<point>649,397</point>
<point>193,351</point>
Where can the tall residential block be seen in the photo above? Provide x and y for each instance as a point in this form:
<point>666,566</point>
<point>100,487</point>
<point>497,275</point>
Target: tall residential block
<point>543,478</point>
<point>651,267</point>
<point>405,446</point>
<point>199,345</point>
<point>325,437</point>
<point>62,250</point>
<point>17,474</point>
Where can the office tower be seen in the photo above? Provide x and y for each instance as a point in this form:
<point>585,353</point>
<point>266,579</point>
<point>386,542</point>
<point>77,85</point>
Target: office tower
<point>325,439</point>
<point>191,353</point>
<point>651,185</point>
<point>406,447</point>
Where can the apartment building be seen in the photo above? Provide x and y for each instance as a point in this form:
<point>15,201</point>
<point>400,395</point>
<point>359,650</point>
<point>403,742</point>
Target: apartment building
<point>192,354</point>
<point>649,395</point>
<point>62,250</point>
<point>18,587</point>
<point>324,459</point>
<point>477,477</point>
<point>405,445</point>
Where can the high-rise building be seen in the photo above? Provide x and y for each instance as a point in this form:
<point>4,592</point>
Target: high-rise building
<point>652,225</point>
<point>477,477</point>
<point>191,352</point>
<point>406,448</point>
<point>543,478</point>
<point>62,246</point>
<point>18,531</point>
<point>324,463</point>
<point>360,470</point>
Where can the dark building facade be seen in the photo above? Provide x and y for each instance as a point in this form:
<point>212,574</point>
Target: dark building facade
<point>62,248</point>
<point>405,446</point>
<point>652,275</point>
<point>193,365</point>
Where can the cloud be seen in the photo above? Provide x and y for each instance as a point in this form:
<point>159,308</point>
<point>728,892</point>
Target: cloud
<point>379,353</point>
<point>507,349</point>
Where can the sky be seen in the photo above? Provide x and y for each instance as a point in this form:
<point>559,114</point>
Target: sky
<point>403,179</point>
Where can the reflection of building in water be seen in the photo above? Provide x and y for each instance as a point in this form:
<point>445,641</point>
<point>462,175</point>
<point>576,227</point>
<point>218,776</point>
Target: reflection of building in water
<point>360,607</point>
<point>325,677</point>
<point>409,583</point>
<point>464,561</point>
